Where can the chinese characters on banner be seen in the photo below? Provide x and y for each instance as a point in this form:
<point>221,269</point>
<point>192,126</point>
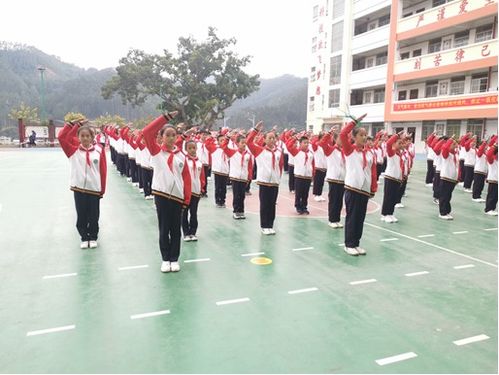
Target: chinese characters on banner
<point>451,103</point>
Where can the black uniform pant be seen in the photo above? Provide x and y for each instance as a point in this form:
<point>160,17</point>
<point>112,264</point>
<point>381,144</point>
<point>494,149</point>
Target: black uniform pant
<point>291,175</point>
<point>133,171</point>
<point>169,218</point>
<point>238,195</point>
<point>120,163</point>
<point>140,176</point>
<point>220,188</point>
<point>436,185</point>
<point>491,200</point>
<point>190,217</point>
<point>207,173</point>
<point>319,177</point>
<point>384,164</point>
<point>446,189</point>
<point>468,176</point>
<point>335,203</point>
<point>87,213</point>
<point>302,188</point>
<point>401,191</point>
<point>356,206</point>
<point>147,181</point>
<point>285,162</point>
<point>478,184</point>
<point>430,171</point>
<point>391,195</point>
<point>461,170</point>
<point>268,199</point>
<point>379,169</point>
<point>113,154</point>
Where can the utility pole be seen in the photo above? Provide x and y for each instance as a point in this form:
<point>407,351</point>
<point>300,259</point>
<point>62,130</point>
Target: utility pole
<point>41,69</point>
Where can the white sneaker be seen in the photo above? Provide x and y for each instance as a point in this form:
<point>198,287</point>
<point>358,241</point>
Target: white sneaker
<point>84,244</point>
<point>383,218</point>
<point>468,191</point>
<point>339,225</point>
<point>399,205</point>
<point>92,244</point>
<point>317,198</point>
<point>428,185</point>
<point>136,184</point>
<point>461,184</point>
<point>141,190</point>
<point>194,238</point>
<point>333,225</point>
<point>235,216</point>
<point>435,201</point>
<point>360,250</point>
<point>129,179</point>
<point>388,219</point>
<point>175,267</point>
<point>187,238</point>
<point>149,197</point>
<point>265,231</point>
<point>165,267</point>
<point>271,231</point>
<point>491,213</point>
<point>449,217</point>
<point>394,219</point>
<point>478,200</point>
<point>351,251</point>
<point>445,217</point>
<point>292,191</point>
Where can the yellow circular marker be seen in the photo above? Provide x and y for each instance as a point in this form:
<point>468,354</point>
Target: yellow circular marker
<point>261,261</point>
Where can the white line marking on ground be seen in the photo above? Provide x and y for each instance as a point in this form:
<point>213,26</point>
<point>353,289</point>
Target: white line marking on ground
<point>61,275</point>
<point>433,245</point>
<point>470,340</point>
<point>363,282</point>
<point>303,248</point>
<point>389,239</point>
<point>396,358</point>
<point>252,254</point>
<point>303,290</point>
<point>426,235</point>
<point>464,266</point>
<point>148,315</point>
<point>460,232</point>
<point>491,229</point>
<point>197,260</point>
<point>417,273</point>
<point>231,301</point>
<point>133,267</point>
<point>51,330</point>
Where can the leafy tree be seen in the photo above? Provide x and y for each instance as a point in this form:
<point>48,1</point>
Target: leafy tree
<point>201,82</point>
<point>27,113</point>
<point>109,119</point>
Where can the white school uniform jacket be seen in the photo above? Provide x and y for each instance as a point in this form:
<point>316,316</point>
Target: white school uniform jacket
<point>197,175</point>
<point>269,162</point>
<point>462,153</point>
<point>145,158</point>
<point>335,166</point>
<point>219,162</point>
<point>394,161</point>
<point>360,166</point>
<point>492,162</point>
<point>171,178</point>
<point>203,153</point>
<point>304,161</point>
<point>240,164</point>
<point>470,157</point>
<point>481,165</point>
<point>450,163</point>
<point>320,159</point>
<point>88,167</point>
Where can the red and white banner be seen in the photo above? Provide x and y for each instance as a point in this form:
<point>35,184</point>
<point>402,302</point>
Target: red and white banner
<point>449,103</point>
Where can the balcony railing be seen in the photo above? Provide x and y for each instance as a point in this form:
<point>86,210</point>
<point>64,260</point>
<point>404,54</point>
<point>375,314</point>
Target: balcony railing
<point>471,52</point>
<point>440,13</point>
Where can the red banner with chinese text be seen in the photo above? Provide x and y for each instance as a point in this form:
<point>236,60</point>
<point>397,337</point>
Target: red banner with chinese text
<point>449,103</point>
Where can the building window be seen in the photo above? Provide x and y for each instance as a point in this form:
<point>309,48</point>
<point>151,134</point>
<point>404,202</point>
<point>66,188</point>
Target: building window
<point>315,12</point>
<point>356,97</point>
<point>334,98</point>
<point>358,63</point>
<point>335,76</point>
<point>461,39</point>
<point>337,39</point>
<point>414,94</point>
<point>404,56</point>
<point>338,8</point>
<point>384,20</point>
<point>479,82</point>
<point>483,33</point>
<point>312,74</point>
<point>475,127</point>
<point>402,95</point>
<point>436,3</point>
<point>434,45</point>
<point>453,128</point>
<point>381,58</point>
<point>407,15</point>
<point>379,96</point>
<point>416,52</point>
<point>457,86</point>
<point>431,89</point>
<point>420,10</point>
<point>376,127</point>
<point>367,97</point>
<point>443,88</point>
<point>370,62</point>
<point>372,25</point>
<point>311,104</point>
<point>427,128</point>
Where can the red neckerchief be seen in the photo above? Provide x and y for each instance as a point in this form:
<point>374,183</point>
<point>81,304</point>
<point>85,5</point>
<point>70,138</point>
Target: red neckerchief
<point>169,161</point>
<point>242,157</point>
<point>306,157</point>
<point>273,155</point>
<point>364,157</point>
<point>336,147</point>
<point>87,153</point>
<point>194,160</point>
<point>401,162</point>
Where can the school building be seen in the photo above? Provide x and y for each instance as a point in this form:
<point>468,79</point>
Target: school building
<point>422,66</point>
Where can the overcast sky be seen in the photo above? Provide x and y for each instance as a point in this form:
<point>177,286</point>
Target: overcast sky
<point>96,33</point>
